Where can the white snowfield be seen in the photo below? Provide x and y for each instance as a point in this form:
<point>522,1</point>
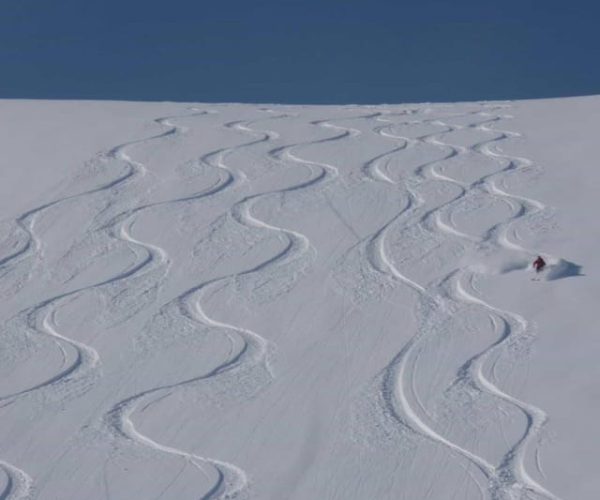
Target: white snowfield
<point>219,301</point>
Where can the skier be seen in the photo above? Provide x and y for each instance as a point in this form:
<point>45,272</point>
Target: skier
<point>539,263</point>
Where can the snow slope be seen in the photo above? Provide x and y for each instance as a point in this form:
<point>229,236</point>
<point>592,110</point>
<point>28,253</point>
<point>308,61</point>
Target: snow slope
<point>241,301</point>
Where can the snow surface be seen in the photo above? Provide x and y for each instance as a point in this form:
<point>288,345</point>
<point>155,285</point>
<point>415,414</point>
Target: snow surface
<point>308,302</point>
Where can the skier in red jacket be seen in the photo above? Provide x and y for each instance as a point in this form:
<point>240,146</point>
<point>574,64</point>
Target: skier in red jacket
<point>539,263</point>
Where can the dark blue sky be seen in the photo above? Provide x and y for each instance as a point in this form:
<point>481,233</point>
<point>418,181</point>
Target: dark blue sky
<point>299,51</point>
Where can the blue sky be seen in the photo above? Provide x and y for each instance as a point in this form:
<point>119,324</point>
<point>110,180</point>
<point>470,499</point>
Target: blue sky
<point>309,51</point>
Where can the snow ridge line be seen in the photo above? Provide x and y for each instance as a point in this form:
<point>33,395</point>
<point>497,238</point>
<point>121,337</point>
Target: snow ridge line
<point>510,475</point>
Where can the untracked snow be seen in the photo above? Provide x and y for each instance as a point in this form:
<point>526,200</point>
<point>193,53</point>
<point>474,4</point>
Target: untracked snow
<point>219,301</point>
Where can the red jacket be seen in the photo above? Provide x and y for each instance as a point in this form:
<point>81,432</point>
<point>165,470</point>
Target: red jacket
<point>539,263</point>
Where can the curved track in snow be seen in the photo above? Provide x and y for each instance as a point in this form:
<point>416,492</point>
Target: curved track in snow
<point>25,223</point>
<point>257,256</point>
<point>230,479</point>
<point>18,483</point>
<point>248,350</point>
<point>81,361</point>
<point>509,479</point>
<point>40,317</point>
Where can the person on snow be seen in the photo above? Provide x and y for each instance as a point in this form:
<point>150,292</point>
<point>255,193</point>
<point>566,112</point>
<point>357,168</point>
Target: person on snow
<point>539,263</point>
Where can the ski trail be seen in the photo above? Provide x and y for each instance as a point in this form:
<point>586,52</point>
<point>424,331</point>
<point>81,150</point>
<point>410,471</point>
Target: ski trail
<point>513,462</point>
<point>215,159</point>
<point>19,485</point>
<point>512,466</point>
<point>231,480</point>
<point>249,351</point>
<point>435,218</point>
<point>25,222</point>
<point>396,395</point>
<point>79,358</point>
<point>510,476</point>
<point>376,252</point>
<point>484,184</point>
<point>511,470</point>
<point>372,168</point>
<point>525,206</point>
<point>326,171</point>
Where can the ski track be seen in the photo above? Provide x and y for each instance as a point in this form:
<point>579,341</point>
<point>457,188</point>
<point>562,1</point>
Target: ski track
<point>85,358</point>
<point>253,350</point>
<point>119,229</point>
<point>510,476</point>
<point>249,351</point>
<point>231,480</point>
<point>25,223</point>
<point>19,485</point>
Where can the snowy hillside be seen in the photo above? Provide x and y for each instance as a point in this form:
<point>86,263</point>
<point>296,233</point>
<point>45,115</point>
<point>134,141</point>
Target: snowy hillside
<point>299,302</point>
